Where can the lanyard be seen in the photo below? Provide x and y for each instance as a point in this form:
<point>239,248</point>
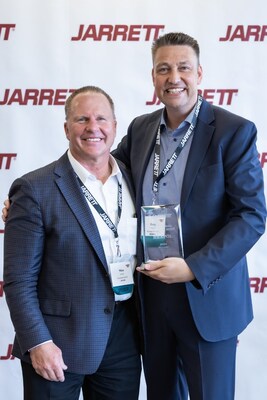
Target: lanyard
<point>157,176</point>
<point>88,195</point>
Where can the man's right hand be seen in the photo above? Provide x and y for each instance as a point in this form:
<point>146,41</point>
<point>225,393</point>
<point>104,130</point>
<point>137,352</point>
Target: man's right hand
<point>48,362</point>
<point>5,210</point>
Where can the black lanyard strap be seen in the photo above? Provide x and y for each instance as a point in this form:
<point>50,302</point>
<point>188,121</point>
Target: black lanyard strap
<point>88,195</point>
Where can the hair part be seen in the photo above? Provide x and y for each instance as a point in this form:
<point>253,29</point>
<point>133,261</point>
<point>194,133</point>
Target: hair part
<point>87,89</point>
<point>175,39</point>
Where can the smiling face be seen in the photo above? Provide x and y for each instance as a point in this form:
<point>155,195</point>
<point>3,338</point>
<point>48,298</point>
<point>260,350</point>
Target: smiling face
<point>90,128</point>
<point>176,75</point>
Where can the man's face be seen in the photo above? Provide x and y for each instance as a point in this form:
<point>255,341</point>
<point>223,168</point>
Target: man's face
<point>176,76</point>
<point>90,127</point>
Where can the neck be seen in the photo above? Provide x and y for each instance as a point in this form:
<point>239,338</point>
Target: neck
<point>174,116</point>
<point>101,170</point>
<point>173,121</point>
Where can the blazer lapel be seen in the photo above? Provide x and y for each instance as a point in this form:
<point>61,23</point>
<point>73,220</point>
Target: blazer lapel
<point>128,178</point>
<point>144,156</point>
<point>69,186</point>
<point>201,139</point>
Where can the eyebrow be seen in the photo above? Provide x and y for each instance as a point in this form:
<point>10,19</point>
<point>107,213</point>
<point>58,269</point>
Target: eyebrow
<point>165,63</point>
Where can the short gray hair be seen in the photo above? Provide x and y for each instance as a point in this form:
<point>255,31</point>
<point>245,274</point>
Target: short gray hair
<point>86,89</point>
<point>175,39</point>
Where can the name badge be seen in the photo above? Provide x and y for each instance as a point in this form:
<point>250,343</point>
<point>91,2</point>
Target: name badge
<point>121,274</point>
<point>155,230</point>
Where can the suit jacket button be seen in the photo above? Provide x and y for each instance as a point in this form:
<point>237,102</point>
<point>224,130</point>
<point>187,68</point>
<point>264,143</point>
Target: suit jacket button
<point>107,310</point>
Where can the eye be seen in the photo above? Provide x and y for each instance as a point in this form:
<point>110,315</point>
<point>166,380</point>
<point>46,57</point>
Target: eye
<point>184,68</point>
<point>81,120</point>
<point>101,118</point>
<point>162,70</point>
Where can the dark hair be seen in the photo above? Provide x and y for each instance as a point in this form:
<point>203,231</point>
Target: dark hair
<point>85,89</point>
<point>175,39</point>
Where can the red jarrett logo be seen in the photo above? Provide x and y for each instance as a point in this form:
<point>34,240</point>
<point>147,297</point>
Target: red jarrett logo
<point>263,159</point>
<point>256,33</point>
<point>8,355</point>
<point>36,97</point>
<point>218,96</point>
<point>258,285</point>
<point>5,30</point>
<point>125,33</point>
<point>5,160</point>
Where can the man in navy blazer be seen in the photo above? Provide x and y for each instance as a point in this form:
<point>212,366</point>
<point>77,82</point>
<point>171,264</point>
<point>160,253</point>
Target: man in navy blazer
<point>75,324</point>
<point>194,307</point>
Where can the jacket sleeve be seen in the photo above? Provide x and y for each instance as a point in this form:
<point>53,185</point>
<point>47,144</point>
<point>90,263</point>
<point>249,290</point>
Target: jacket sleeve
<point>23,249</point>
<point>242,190</point>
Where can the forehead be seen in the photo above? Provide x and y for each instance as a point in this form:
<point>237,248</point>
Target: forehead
<point>175,53</point>
<point>90,102</point>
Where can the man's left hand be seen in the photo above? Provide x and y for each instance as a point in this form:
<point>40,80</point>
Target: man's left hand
<point>168,270</point>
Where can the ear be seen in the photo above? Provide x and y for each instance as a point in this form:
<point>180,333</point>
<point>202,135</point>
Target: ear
<point>115,127</point>
<point>199,74</point>
<point>66,130</point>
<point>153,78</point>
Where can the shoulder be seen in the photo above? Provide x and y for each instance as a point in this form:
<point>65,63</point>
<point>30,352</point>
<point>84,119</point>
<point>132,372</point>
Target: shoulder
<point>42,180</point>
<point>221,117</point>
<point>39,172</point>
<point>47,170</point>
<point>147,118</point>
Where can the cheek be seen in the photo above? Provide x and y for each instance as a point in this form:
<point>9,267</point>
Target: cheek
<point>112,138</point>
<point>69,134</point>
<point>158,86</point>
<point>70,131</point>
<point>74,132</point>
<point>157,82</point>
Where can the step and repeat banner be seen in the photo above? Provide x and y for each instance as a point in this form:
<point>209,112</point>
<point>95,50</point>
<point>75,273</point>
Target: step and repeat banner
<point>49,48</point>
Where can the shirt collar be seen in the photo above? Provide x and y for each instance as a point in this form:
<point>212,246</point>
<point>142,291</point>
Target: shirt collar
<point>187,120</point>
<point>84,174</point>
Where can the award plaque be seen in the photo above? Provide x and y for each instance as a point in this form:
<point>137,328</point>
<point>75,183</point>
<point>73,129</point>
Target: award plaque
<point>161,232</point>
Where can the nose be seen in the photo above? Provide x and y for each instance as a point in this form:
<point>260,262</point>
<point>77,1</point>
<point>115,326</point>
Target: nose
<point>91,125</point>
<point>174,76</point>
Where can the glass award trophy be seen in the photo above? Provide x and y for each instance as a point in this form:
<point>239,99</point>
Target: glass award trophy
<point>161,232</point>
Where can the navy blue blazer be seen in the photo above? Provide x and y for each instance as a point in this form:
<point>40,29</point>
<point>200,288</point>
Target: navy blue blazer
<point>223,212</point>
<point>55,271</point>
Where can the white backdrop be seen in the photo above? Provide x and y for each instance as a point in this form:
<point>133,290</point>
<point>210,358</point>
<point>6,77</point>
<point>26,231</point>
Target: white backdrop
<point>49,47</point>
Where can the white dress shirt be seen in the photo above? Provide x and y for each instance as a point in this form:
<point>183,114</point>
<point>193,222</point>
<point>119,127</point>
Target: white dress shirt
<point>107,196</point>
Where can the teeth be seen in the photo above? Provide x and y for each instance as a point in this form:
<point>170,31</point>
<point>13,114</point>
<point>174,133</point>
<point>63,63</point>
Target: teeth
<point>175,90</point>
<point>93,139</point>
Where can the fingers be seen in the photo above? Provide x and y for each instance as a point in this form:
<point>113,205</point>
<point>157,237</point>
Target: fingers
<point>4,214</point>
<point>48,362</point>
<point>60,372</point>
<point>56,375</point>
<point>52,373</point>
<point>5,210</point>
<point>149,266</point>
<point>169,270</point>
